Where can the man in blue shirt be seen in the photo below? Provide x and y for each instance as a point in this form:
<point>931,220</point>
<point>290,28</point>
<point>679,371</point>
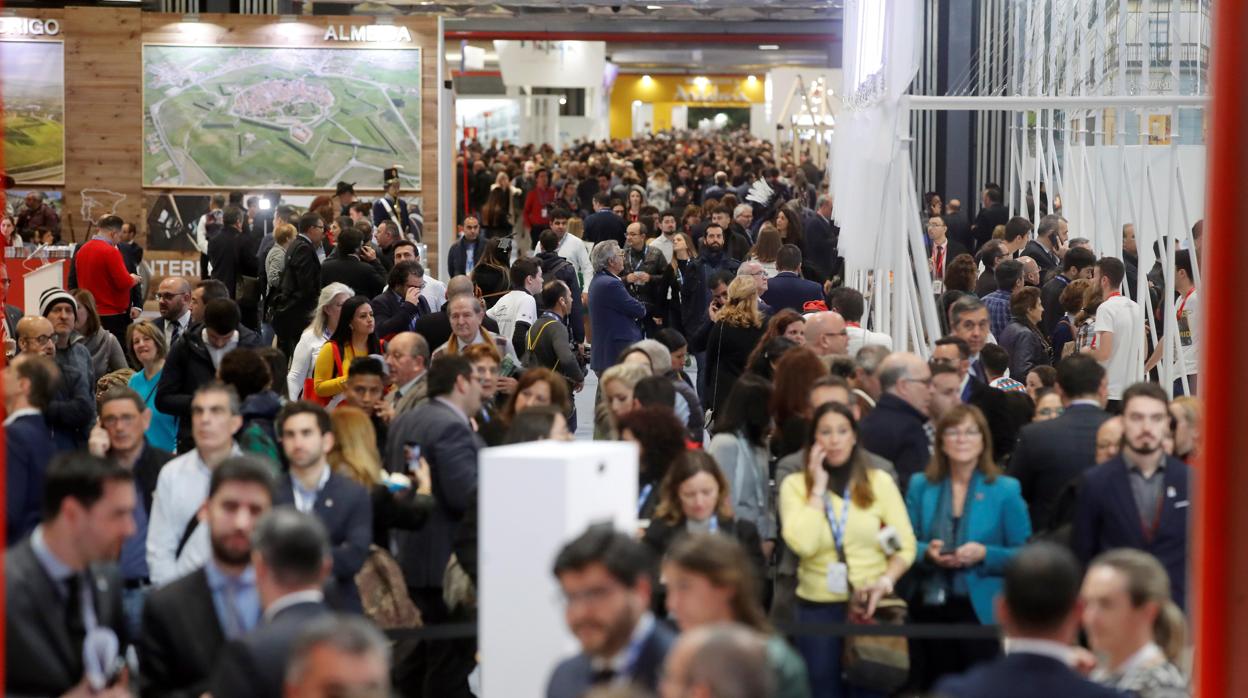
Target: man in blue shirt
<point>1009,274</point>
<point>187,623</point>
<point>119,435</point>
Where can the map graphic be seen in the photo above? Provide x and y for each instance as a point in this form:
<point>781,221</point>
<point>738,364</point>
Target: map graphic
<point>32,84</point>
<point>282,118</point>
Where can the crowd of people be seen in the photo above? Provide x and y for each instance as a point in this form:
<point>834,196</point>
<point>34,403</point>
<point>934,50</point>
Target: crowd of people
<point>292,443</point>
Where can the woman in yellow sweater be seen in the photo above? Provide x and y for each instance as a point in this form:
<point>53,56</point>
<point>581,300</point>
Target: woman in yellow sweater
<point>353,338</point>
<point>833,516</point>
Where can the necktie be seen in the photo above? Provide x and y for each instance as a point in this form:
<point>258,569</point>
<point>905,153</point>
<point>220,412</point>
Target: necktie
<point>940,262</point>
<point>74,623</point>
<point>235,626</point>
<point>177,332</point>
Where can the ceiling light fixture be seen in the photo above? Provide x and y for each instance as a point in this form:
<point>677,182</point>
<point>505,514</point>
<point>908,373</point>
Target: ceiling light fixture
<point>768,47</point>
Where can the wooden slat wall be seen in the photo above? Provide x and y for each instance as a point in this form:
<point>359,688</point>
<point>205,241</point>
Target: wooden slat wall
<point>104,98</point>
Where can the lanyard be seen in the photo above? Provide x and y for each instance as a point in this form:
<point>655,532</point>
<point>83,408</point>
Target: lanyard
<point>645,494</point>
<point>1115,293</point>
<point>713,524</point>
<point>637,265</point>
<point>1183,304</point>
<point>838,527</point>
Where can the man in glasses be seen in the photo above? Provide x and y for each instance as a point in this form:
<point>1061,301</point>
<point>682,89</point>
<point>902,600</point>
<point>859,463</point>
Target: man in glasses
<point>898,428</point>
<point>300,284</point>
<point>174,296</point>
<point>119,435</point>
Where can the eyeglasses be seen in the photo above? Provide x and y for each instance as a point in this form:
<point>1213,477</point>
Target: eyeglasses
<point>123,419</point>
<point>169,296</point>
<point>925,381</point>
<point>592,596</point>
<point>40,339</point>
<point>971,433</point>
<point>1049,412</point>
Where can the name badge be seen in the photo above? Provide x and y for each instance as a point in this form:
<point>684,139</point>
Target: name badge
<point>838,578</point>
<point>543,212</point>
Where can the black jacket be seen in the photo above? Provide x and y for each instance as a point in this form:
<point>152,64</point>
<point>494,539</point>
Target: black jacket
<point>894,431</point>
<point>788,290</point>
<point>556,267</point>
<point>1049,455</point>
<point>38,657</point>
<point>346,509</point>
<point>1044,260</point>
<point>1051,299</point>
<point>147,471</point>
<point>366,279</point>
<point>986,220</point>
<point>457,256</point>
<point>436,327</point>
<point>395,314</point>
<point>224,250</point>
<point>300,287</point>
<point>188,367</point>
<point>959,229</point>
<point>254,666</point>
<point>605,225</point>
<point>822,238</point>
<point>727,352</point>
<point>181,639</point>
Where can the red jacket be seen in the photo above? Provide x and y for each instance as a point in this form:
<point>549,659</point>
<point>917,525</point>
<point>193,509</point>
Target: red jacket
<point>102,271</point>
<point>537,200</point>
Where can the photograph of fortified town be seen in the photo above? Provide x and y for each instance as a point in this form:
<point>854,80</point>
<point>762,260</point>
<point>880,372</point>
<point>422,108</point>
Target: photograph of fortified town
<point>32,87</point>
<point>283,118</point>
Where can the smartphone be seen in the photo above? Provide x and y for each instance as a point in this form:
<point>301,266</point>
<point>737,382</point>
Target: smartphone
<point>411,453</point>
<point>948,553</point>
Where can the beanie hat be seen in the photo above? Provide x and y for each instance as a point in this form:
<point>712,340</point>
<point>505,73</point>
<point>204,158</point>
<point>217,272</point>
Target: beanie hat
<point>51,297</point>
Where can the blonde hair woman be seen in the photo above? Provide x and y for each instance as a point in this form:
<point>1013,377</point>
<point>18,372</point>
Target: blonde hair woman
<point>737,329</point>
<point>275,260</point>
<point>616,385</point>
<point>1134,627</point>
<point>324,322</point>
<point>355,455</point>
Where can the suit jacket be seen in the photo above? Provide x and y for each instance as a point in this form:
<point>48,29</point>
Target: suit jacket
<point>12,314</point>
<point>953,248</point>
<point>38,657</point>
<point>449,444</point>
<point>28,447</point>
<point>788,290</point>
<point>181,639</point>
<point>436,327</point>
<point>300,287</point>
<point>1021,675</point>
<point>822,238</point>
<point>1051,299</point>
<point>614,316</point>
<point>346,509</point>
<point>457,256</point>
<point>224,250</point>
<point>395,314</point>
<point>415,397</point>
<point>1043,259</point>
<point>147,471</point>
<point>959,230</point>
<point>1107,517</point>
<point>366,279</point>
<point>1049,455</point>
<point>254,666</point>
<point>996,517</point>
<point>573,677</point>
<point>894,431</point>
<point>605,225</point>
<point>986,220</point>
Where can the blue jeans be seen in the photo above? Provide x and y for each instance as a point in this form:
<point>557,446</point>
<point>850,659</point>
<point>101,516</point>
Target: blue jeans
<point>823,652</point>
<point>132,601</point>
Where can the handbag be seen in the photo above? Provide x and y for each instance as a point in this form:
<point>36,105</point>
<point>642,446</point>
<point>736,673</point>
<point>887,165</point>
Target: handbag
<point>383,593</point>
<point>309,383</point>
<point>875,662</point>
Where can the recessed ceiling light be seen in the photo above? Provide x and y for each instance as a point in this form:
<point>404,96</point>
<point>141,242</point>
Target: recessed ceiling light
<point>654,7</point>
<point>768,47</point>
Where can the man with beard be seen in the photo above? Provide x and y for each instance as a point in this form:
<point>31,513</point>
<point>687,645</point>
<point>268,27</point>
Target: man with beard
<point>605,579</point>
<point>187,623</point>
<point>695,276</point>
<point>1138,499</point>
<point>174,296</point>
<point>72,410</point>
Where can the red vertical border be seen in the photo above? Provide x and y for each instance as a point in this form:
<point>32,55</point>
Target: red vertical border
<point>1221,529</point>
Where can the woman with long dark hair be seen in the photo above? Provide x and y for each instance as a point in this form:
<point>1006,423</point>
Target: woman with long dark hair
<point>354,337</point>
<point>740,447</point>
<point>831,517</point>
<point>790,400</point>
<point>789,223</point>
<point>491,275</point>
<point>660,439</point>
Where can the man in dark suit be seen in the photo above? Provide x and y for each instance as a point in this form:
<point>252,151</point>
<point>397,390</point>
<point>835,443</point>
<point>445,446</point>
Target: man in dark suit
<point>341,504</point>
<point>399,307</point>
<point>1039,612</point>
<point>28,385</point>
<point>603,224</point>
<point>1049,455</point>
<point>466,252</point>
<point>1138,499</point>
<point>12,313</point>
<point>62,576</point>
<point>292,561</point>
<point>1077,260</point>
<point>620,639</point>
<point>1044,248</point>
<point>787,289</point>
<point>193,361</point>
<point>895,429</point>
<point>440,430</point>
<point>300,284</point>
<point>354,264</point>
<point>942,249</point>
<point>992,214</point>
<point>822,238</point>
<point>225,250</point>
<point>187,623</point>
<point>173,297</point>
<point>436,327</point>
<point>614,315</point>
<point>959,225</point>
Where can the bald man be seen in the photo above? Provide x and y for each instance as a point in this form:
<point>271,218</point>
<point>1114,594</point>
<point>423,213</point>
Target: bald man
<point>826,335</point>
<point>896,428</point>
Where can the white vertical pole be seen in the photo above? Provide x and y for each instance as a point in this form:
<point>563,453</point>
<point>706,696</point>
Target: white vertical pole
<point>446,160</point>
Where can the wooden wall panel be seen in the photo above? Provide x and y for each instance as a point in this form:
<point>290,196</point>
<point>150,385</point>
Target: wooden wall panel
<point>104,99</point>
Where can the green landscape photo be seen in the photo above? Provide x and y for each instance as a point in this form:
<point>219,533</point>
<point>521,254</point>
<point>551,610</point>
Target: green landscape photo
<point>32,84</point>
<point>282,118</point>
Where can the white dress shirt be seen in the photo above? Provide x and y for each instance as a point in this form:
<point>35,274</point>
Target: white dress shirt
<point>180,490</point>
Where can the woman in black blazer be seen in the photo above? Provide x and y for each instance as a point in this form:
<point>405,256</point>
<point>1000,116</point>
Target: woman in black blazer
<point>695,498</point>
<point>737,329</point>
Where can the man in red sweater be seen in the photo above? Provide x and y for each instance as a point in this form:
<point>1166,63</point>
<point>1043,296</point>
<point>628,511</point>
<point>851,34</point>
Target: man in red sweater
<point>102,271</point>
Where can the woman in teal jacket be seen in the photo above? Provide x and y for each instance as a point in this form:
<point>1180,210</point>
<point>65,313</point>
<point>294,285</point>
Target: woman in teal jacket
<point>969,520</point>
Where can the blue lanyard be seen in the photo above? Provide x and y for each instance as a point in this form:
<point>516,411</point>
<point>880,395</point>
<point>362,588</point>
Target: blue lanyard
<point>838,527</point>
<point>645,494</point>
<point>713,524</point>
<point>644,250</point>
